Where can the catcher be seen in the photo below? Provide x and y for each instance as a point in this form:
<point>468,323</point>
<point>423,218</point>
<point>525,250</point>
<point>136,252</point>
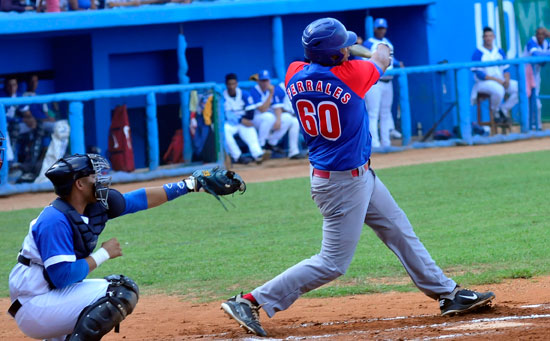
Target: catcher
<point>51,299</point>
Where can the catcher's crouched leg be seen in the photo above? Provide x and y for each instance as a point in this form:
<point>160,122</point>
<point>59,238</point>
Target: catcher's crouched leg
<point>99,318</point>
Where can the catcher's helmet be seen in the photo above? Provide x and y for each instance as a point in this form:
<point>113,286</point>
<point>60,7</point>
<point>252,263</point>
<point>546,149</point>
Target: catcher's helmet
<point>65,171</point>
<point>323,39</point>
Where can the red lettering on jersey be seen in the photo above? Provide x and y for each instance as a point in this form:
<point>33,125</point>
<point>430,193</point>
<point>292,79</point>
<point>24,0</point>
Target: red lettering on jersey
<point>289,93</point>
<point>337,92</point>
<point>293,89</point>
<point>327,89</point>
<point>300,86</point>
<point>309,85</point>
<point>358,75</point>
<point>319,86</point>
<point>293,69</point>
<point>345,99</point>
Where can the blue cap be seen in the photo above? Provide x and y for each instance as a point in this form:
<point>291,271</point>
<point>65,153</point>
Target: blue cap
<point>263,75</point>
<point>380,22</point>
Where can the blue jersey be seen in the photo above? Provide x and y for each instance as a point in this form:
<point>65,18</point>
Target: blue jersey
<point>328,101</point>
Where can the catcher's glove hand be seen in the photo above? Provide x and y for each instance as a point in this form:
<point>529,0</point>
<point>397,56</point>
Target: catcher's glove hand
<point>216,181</point>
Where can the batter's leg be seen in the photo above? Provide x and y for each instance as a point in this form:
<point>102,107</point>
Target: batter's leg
<point>392,226</point>
<point>343,205</point>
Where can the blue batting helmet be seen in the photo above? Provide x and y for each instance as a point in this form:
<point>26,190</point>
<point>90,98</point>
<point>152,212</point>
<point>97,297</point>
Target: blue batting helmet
<point>323,39</point>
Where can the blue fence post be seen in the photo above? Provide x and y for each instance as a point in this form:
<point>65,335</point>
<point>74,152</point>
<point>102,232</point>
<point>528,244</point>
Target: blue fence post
<point>218,90</point>
<point>369,26</point>
<point>184,98</point>
<point>4,130</point>
<point>523,100</point>
<point>405,107</point>
<point>463,99</point>
<point>278,48</point>
<point>76,121</point>
<point>152,131</point>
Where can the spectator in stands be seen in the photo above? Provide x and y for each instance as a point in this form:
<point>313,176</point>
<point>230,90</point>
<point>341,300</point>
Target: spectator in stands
<point>379,98</point>
<point>538,45</point>
<point>239,113</point>
<point>31,145</point>
<point>494,80</point>
<point>39,111</point>
<point>79,5</point>
<point>14,5</point>
<point>270,120</point>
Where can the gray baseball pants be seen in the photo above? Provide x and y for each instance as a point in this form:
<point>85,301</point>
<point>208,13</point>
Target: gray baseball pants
<point>346,202</point>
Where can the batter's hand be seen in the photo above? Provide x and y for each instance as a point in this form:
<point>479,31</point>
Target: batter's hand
<point>113,248</point>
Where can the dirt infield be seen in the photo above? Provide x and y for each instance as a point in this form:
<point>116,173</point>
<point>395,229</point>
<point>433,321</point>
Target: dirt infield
<point>521,310</point>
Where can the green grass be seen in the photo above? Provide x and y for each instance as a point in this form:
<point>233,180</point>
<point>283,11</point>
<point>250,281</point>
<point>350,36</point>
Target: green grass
<point>483,220</point>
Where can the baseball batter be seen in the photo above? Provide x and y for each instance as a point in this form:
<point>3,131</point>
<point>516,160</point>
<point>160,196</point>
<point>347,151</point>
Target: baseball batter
<point>328,96</point>
<point>51,299</point>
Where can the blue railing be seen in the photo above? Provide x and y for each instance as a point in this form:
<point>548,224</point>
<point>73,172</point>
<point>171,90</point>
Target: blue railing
<point>76,122</point>
<point>76,116</point>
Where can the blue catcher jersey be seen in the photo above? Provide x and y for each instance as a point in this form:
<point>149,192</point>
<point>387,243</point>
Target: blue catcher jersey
<point>328,101</point>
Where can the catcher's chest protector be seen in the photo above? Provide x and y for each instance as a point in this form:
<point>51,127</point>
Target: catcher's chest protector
<point>120,141</point>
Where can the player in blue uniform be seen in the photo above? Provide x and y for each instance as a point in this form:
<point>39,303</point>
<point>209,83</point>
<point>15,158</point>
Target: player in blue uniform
<point>327,95</point>
<point>49,293</point>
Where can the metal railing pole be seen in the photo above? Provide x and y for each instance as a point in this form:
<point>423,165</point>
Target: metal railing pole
<point>152,131</point>
<point>463,99</point>
<point>76,122</point>
<point>405,107</point>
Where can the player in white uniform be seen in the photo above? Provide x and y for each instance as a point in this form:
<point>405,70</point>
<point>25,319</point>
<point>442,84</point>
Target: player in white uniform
<point>239,112</point>
<point>270,119</point>
<point>51,299</point>
<point>538,45</point>
<point>379,99</point>
<point>494,80</point>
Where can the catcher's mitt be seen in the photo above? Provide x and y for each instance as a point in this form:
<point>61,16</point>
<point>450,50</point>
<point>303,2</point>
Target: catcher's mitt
<point>217,182</point>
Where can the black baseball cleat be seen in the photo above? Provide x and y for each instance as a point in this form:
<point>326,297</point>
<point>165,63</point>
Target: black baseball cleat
<point>465,300</point>
<point>245,313</point>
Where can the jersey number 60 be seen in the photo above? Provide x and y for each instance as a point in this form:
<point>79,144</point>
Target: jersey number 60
<point>326,112</point>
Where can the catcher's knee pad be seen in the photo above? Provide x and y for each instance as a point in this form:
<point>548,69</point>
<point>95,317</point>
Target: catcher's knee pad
<point>99,318</point>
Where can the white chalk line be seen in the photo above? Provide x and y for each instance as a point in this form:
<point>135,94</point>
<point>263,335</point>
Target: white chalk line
<point>434,325</point>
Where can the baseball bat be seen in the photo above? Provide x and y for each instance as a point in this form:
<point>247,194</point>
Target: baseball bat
<point>360,51</point>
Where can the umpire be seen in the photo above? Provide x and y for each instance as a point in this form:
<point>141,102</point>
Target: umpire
<point>51,299</point>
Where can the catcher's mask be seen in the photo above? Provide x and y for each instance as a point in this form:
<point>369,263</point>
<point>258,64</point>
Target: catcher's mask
<point>2,139</point>
<point>65,171</point>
